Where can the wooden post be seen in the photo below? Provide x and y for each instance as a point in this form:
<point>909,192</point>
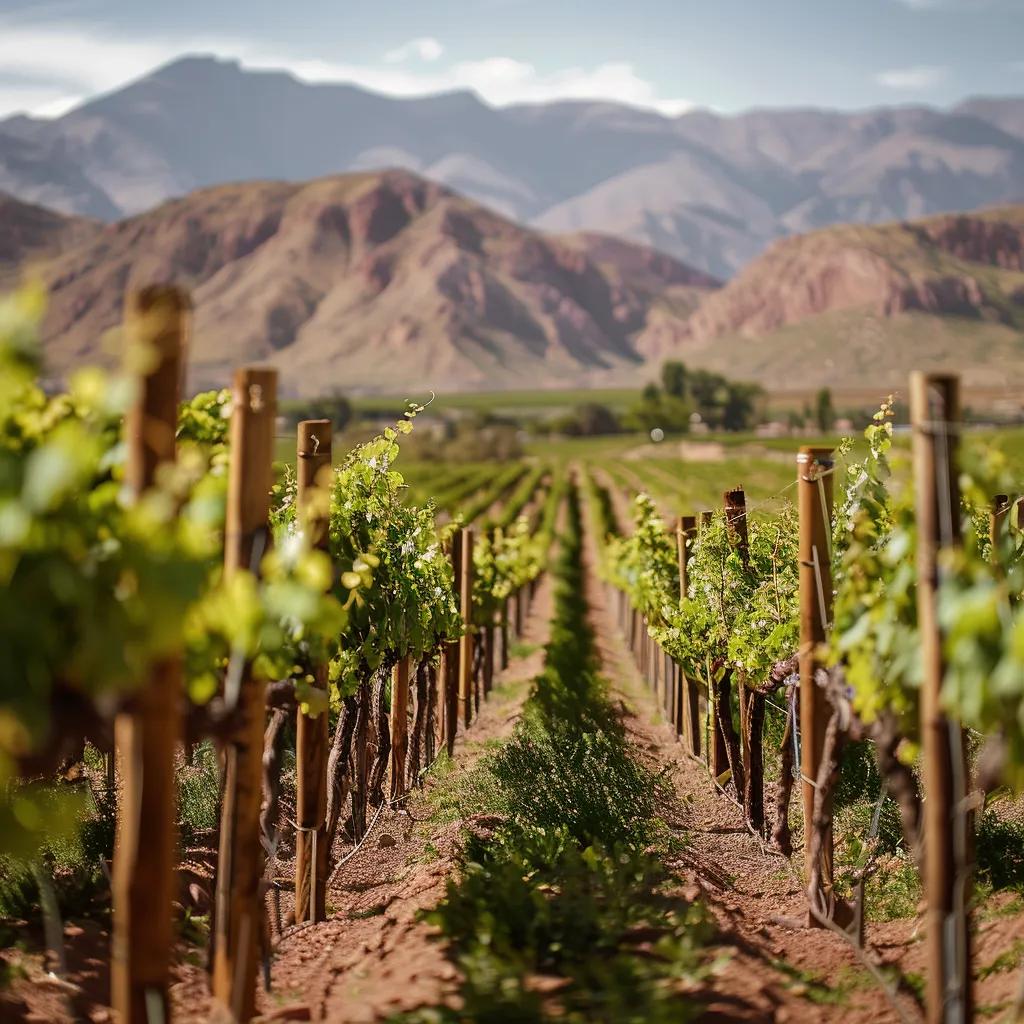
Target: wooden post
<point>490,649</point>
<point>999,514</point>
<point>718,757</point>
<point>504,633</point>
<point>735,502</point>
<point>312,740</point>
<point>814,497</point>
<point>731,750</point>
<point>689,726</point>
<point>935,418</point>
<point>449,670</point>
<point>399,727</point>
<point>466,607</point>
<point>146,737</point>
<point>239,909</point>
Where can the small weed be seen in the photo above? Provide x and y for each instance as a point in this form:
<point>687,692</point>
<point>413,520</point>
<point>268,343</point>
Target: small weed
<point>991,1009</point>
<point>915,983</point>
<point>812,986</point>
<point>199,793</point>
<point>893,892</point>
<point>194,928</point>
<point>521,649</point>
<point>361,915</point>
<point>10,972</point>
<point>1008,960</point>
<point>1000,851</point>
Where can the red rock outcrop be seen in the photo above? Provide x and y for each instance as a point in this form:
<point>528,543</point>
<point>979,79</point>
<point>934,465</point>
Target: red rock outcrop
<point>374,281</point>
<point>933,266</point>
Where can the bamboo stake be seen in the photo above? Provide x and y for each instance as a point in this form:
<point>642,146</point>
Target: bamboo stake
<point>147,735</point>
<point>814,483</point>
<point>935,417</point>
<point>312,739</point>
<point>239,909</point>
<point>466,607</point>
<point>399,727</point>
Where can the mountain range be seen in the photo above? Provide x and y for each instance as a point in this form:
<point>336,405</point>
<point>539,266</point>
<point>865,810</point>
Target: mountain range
<point>387,282</point>
<point>360,282</point>
<point>712,191</point>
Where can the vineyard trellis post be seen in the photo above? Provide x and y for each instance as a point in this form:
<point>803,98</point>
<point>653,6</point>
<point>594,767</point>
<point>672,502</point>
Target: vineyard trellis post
<point>450,656</point>
<point>814,499</point>
<point>689,725</point>
<point>935,421</point>
<point>465,581</point>
<point>147,734</point>
<point>751,702</point>
<point>399,726</point>
<point>998,516</point>
<point>238,902</point>
<point>312,739</point>
<point>505,633</point>
<point>725,748</point>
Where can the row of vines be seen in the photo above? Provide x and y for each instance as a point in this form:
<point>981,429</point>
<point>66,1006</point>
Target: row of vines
<point>872,632</point>
<point>165,585</point>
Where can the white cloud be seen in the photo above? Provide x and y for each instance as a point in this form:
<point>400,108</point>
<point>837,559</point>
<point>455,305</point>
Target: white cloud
<point>68,56</point>
<point>425,48</point>
<point>63,62</point>
<point>41,100</point>
<point>921,77</point>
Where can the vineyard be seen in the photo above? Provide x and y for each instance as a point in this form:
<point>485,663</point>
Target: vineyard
<point>289,732</point>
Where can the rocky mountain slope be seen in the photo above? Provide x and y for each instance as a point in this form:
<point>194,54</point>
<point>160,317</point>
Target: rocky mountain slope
<point>866,304</point>
<point>375,281</point>
<point>710,190</point>
<point>387,282</point>
<point>30,235</point>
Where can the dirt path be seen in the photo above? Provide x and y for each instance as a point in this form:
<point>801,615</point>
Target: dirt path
<point>775,971</point>
<point>374,957</point>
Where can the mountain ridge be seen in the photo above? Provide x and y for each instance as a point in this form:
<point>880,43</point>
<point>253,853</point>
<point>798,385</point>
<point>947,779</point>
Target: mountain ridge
<point>710,189</point>
<point>379,281</point>
<point>366,280</point>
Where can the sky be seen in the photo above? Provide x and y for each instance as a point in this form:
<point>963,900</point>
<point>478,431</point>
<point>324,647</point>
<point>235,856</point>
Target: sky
<point>669,55</point>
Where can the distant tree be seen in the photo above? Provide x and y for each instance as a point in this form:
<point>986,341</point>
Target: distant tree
<point>334,407</point>
<point>650,393</point>
<point>674,376</point>
<point>596,419</point>
<point>740,409</point>
<point>590,420</point>
<point>824,411</point>
<point>709,392</point>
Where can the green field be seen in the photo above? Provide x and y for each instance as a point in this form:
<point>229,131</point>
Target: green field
<point>502,403</point>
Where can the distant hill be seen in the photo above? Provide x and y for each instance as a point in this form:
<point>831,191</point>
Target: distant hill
<point>711,190</point>
<point>856,306</point>
<point>387,282</point>
<point>30,235</point>
<point>365,282</point>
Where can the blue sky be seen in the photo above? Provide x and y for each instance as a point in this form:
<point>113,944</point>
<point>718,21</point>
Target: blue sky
<point>667,54</point>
